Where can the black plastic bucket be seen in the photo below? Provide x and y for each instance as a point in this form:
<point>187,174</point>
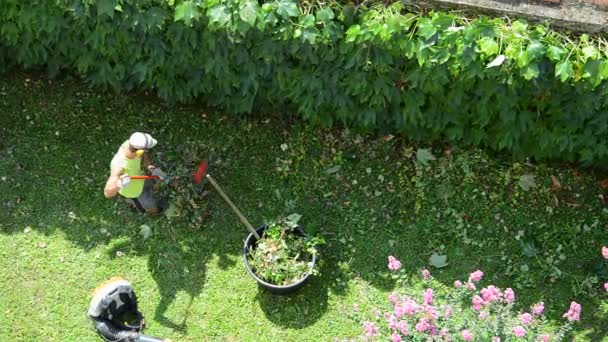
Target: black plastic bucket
<point>274,289</point>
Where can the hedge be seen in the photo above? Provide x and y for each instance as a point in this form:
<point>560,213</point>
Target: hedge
<point>502,84</point>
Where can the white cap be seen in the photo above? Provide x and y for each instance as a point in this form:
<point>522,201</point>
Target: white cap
<point>142,141</point>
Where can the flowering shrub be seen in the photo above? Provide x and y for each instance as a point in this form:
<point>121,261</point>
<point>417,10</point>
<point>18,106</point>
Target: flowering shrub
<point>489,317</point>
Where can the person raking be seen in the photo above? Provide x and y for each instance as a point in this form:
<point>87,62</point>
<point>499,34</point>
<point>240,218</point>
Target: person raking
<point>130,160</point>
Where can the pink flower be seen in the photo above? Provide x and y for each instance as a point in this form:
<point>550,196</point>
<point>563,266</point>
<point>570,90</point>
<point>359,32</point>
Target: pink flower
<point>430,312</point>
<point>538,308</point>
<point>490,294</point>
<point>426,274</point>
<point>370,329</point>
<point>476,276</point>
<point>483,315</point>
<point>396,337</point>
<point>411,308</point>
<point>407,307</point>
<point>393,298</point>
<point>509,295</point>
<point>448,312</point>
<point>544,338</point>
<point>467,335</point>
<point>403,328</point>
<point>421,326</point>
<point>605,252</point>
<point>477,303</point>
<point>471,286</point>
<point>392,322</point>
<point>399,311</point>
<point>432,329</point>
<point>457,283</point>
<point>574,313</point>
<point>444,332</point>
<point>495,339</point>
<point>393,264</point>
<point>606,286</point>
<point>525,318</point>
<point>519,331</point>
<point>428,297</point>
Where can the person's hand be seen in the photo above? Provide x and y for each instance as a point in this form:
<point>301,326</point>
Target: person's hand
<point>156,171</point>
<point>123,181</point>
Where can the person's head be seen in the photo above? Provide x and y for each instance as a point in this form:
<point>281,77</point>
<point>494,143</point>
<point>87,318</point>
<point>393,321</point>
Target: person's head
<point>138,144</point>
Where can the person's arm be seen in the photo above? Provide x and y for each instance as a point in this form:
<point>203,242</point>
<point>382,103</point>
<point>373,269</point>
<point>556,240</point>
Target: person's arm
<point>111,188</point>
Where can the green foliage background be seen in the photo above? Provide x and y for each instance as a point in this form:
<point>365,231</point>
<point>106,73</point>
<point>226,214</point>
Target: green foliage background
<point>489,82</point>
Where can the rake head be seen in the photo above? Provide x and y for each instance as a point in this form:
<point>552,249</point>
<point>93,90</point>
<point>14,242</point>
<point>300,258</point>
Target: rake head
<point>201,172</point>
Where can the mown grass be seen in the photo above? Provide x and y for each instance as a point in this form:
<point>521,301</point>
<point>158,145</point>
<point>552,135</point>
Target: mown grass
<point>369,196</point>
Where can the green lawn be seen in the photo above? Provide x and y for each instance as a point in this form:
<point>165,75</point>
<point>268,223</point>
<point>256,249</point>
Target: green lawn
<point>369,196</point>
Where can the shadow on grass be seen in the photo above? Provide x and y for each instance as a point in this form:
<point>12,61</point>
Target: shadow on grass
<point>177,266</point>
<point>296,310</point>
<point>178,257</point>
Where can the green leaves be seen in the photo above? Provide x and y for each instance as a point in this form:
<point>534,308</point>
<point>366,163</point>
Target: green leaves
<point>154,17</point>
<point>186,11</point>
<point>352,32</point>
<point>288,9</point>
<point>307,21</point>
<point>564,70</point>
<point>333,169</point>
<point>271,19</point>
<point>423,75</point>
<point>556,53</point>
<point>590,52</point>
<point>426,28</point>
<point>249,11</point>
<point>307,29</point>
<point>527,182</point>
<point>525,60</point>
<point>219,15</point>
<point>488,46</point>
<point>519,26</point>
<point>145,231</point>
<point>424,156</point>
<point>325,15</point>
<point>535,50</point>
<point>172,212</point>
<point>531,71</point>
<point>596,71</point>
<point>528,248</point>
<point>106,7</point>
<point>281,257</point>
<point>438,261</point>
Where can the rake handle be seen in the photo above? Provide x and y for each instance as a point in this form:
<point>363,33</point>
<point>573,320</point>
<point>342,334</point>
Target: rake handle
<point>234,208</point>
<point>144,177</point>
